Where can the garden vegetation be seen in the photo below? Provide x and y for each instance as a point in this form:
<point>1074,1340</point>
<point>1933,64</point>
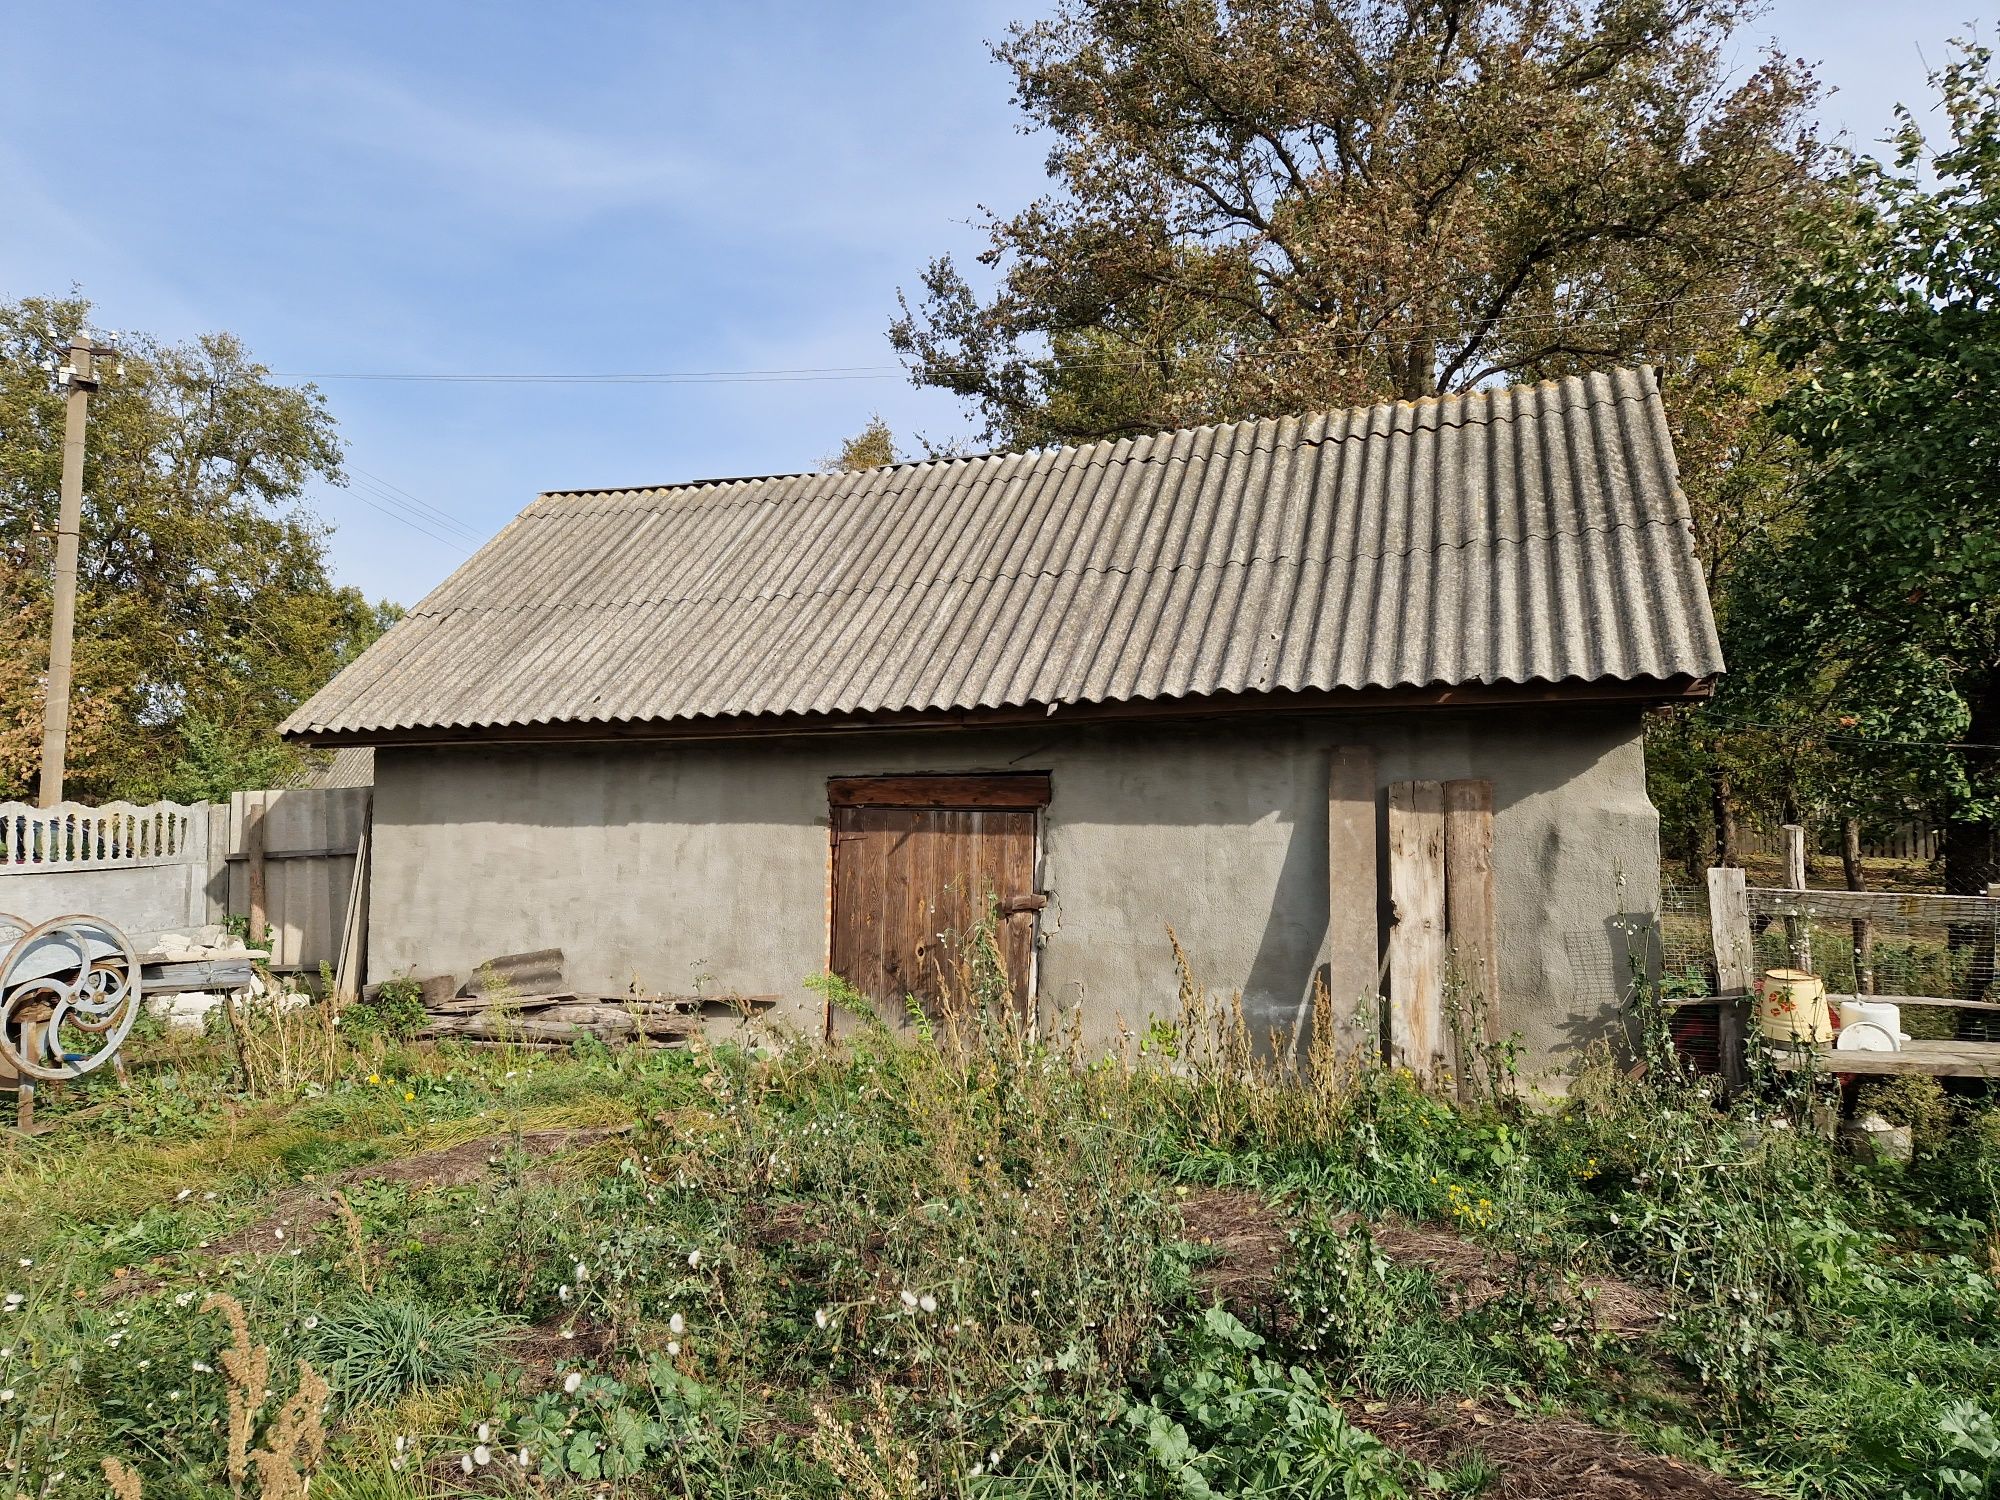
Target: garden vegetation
<point>957,1259</point>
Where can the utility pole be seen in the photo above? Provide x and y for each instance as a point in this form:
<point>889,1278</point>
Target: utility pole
<point>80,379</point>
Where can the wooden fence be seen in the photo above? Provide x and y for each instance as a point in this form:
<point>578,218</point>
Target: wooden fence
<point>1915,840</point>
<point>285,861</point>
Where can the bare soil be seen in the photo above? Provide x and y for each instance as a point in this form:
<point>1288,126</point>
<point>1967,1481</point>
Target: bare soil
<point>1539,1457</point>
<point>302,1209</point>
<point>1244,1234</point>
<point>1532,1456</point>
<point>1472,1276</point>
<point>548,1348</point>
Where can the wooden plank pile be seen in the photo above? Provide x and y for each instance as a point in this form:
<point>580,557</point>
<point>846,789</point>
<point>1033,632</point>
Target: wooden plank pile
<point>557,1020</point>
<point>521,1000</point>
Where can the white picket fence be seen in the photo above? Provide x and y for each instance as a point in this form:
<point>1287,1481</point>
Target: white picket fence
<point>169,867</point>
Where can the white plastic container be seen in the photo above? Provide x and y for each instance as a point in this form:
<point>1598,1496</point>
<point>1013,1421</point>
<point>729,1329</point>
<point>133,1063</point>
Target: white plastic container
<point>1866,1036</point>
<point>1878,1013</point>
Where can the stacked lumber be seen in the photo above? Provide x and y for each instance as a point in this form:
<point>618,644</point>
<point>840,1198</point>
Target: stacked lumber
<point>558,1019</point>
<point>519,1000</point>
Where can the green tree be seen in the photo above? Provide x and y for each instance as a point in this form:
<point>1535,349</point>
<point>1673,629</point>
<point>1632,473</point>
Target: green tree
<point>1883,608</point>
<point>1282,205</point>
<point>205,611</point>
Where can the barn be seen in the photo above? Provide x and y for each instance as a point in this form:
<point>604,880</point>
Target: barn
<point>741,731</point>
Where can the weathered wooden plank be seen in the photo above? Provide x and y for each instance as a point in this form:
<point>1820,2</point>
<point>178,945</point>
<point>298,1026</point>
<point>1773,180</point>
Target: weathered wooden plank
<point>610,1025</point>
<point>331,851</point>
<point>352,963</point>
<point>258,896</point>
<point>1471,923</point>
<point>1353,881</point>
<point>473,1005</point>
<point>1890,906</point>
<point>1735,967</point>
<point>1942,1002</point>
<point>1935,1059</point>
<point>229,973</point>
<point>1015,790</point>
<point>1417,937</point>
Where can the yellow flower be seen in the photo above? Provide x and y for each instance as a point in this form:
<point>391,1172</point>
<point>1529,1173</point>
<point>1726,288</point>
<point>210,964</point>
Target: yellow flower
<point>374,1077</point>
<point>408,1097</point>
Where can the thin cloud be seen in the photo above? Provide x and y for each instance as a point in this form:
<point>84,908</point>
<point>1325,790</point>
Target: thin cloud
<point>507,157</point>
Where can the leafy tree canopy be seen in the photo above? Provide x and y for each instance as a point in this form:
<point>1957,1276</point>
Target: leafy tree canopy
<point>205,610</point>
<point>1881,611</point>
<point>1282,205</point>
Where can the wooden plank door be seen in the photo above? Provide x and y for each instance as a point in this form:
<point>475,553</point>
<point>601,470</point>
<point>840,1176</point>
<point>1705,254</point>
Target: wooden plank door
<point>915,869</point>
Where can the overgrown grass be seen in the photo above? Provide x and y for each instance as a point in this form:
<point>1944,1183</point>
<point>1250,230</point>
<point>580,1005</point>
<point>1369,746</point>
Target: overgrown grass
<point>953,1263</point>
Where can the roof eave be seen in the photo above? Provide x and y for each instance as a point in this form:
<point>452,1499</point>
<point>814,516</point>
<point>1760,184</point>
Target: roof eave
<point>1637,692</point>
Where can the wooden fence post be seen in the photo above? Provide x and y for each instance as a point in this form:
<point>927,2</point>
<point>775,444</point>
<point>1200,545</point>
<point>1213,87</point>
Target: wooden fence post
<point>1735,966</point>
<point>1798,935</point>
<point>1417,934</point>
<point>1353,932</point>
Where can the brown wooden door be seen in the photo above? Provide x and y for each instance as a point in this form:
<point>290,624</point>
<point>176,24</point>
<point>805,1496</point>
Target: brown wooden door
<point>911,881</point>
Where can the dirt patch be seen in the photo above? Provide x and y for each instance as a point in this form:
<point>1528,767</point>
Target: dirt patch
<point>1472,1276</point>
<point>1244,1234</point>
<point>1540,1457</point>
<point>549,1347</point>
<point>302,1209</point>
<point>1244,1231</point>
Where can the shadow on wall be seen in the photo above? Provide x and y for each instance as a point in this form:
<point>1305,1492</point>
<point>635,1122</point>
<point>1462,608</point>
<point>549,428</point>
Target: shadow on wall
<point>1608,964</point>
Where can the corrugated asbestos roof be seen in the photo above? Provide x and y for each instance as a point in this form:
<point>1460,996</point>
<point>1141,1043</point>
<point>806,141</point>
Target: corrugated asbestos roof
<point>336,770</point>
<point>1533,534</point>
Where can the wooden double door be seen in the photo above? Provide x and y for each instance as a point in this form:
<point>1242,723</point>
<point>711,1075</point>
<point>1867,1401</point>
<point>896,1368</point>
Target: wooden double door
<point>918,863</point>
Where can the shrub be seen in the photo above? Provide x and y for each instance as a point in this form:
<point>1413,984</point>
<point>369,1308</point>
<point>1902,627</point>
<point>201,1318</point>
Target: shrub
<point>396,1011</point>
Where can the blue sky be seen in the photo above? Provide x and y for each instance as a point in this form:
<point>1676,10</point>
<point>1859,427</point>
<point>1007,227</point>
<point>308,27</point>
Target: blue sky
<point>442,188</point>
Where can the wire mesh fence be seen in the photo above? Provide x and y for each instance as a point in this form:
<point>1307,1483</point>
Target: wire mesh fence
<point>1687,955</point>
<point>1907,946</point>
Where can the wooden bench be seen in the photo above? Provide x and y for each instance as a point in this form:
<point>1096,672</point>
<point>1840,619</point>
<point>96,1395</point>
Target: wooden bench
<point>1933,1059</point>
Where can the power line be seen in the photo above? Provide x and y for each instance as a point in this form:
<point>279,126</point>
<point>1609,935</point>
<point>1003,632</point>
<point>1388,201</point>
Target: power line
<point>1544,320</point>
<point>403,500</point>
<point>1803,732</point>
<point>396,515</point>
<point>659,377</point>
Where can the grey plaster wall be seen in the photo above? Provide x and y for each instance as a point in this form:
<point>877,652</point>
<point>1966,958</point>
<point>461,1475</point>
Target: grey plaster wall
<point>660,863</point>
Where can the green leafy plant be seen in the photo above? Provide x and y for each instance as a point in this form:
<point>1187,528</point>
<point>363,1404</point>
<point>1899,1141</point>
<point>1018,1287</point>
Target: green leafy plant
<point>1227,1421</point>
<point>395,1012</point>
